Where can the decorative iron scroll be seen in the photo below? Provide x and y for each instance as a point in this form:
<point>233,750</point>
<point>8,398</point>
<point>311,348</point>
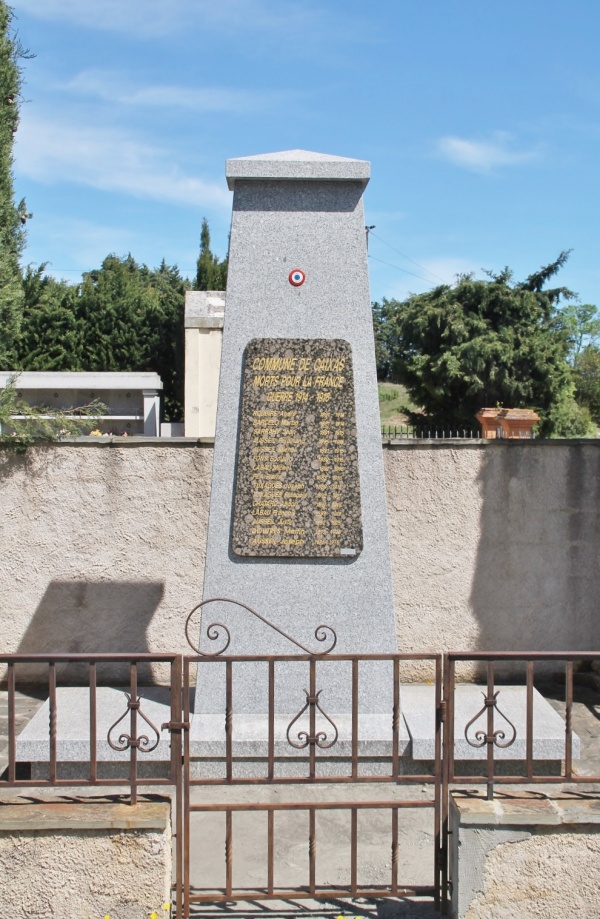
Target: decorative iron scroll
<point>320,738</point>
<point>496,737</point>
<point>217,630</point>
<point>125,741</point>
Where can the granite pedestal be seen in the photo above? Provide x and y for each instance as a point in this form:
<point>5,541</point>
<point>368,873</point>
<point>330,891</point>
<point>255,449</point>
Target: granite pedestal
<point>250,736</point>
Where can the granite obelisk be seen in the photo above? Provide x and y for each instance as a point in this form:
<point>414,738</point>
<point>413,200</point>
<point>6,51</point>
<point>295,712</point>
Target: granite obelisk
<point>297,526</point>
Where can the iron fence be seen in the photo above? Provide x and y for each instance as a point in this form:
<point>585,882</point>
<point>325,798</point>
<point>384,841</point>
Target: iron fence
<point>492,739</point>
<point>131,737</point>
<point>391,432</point>
<point>492,731</point>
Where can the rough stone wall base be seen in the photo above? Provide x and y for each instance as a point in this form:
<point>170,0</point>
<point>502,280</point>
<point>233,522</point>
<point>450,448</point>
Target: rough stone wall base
<point>84,860</point>
<point>525,858</point>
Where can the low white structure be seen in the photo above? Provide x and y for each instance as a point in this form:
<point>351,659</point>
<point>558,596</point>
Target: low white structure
<point>132,399</point>
<point>204,317</point>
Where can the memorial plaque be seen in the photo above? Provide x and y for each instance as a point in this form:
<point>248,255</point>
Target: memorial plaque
<point>297,488</point>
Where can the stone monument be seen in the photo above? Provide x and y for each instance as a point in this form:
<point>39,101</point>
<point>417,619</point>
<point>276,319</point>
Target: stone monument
<point>297,526</point>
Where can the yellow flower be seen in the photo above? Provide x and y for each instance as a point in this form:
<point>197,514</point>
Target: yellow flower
<point>166,906</point>
<point>153,915</point>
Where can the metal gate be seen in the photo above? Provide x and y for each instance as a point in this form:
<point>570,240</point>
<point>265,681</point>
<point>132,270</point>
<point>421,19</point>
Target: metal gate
<point>326,787</point>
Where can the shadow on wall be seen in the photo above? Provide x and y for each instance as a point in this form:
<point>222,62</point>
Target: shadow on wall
<point>78,617</point>
<point>537,577</point>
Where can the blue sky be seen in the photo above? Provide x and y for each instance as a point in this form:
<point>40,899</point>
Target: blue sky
<point>481,121</point>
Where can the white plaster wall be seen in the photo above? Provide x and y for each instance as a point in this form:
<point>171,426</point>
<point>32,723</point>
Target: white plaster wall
<point>202,365</point>
<point>102,546</point>
<point>493,547</point>
<point>84,873</point>
<point>550,876</point>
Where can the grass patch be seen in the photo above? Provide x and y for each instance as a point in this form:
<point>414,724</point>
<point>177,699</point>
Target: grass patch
<point>394,402</point>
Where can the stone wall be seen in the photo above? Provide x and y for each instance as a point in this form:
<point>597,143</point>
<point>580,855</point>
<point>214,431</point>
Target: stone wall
<point>494,546</point>
<point>525,858</point>
<point>84,859</point>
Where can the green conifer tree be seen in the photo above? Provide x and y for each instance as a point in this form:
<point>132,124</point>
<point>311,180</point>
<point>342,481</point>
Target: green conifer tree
<point>211,274</point>
<point>12,217</point>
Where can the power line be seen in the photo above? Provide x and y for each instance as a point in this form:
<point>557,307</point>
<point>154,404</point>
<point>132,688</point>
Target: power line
<point>406,256</point>
<point>421,278</point>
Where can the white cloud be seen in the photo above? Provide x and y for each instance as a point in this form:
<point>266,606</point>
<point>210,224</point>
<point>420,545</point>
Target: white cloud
<point>109,159</point>
<point>484,155</point>
<point>159,17</point>
<point>112,87</point>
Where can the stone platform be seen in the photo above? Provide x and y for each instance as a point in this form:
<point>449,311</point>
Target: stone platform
<point>250,734</point>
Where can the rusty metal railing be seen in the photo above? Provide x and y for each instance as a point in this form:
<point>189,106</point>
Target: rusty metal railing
<point>323,748</point>
<point>492,731</point>
<point>132,733</point>
<point>307,743</point>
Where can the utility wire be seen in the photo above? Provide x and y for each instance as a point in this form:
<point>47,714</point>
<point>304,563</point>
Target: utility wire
<point>420,276</point>
<point>405,256</point>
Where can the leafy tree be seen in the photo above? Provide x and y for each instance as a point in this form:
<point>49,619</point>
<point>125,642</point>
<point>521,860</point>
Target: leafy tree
<point>50,336</point>
<point>121,317</point>
<point>383,331</point>
<point>131,318</point>
<point>481,343</point>
<point>582,324</point>
<point>12,217</point>
<point>211,274</point>
<point>586,373</point>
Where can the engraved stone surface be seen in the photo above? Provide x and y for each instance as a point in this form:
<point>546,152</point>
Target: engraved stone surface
<point>297,483</point>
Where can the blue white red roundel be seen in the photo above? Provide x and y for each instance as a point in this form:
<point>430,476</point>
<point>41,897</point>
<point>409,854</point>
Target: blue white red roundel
<point>297,277</point>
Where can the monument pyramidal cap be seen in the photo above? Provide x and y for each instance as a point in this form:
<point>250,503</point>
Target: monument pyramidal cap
<point>297,526</point>
<point>297,164</point>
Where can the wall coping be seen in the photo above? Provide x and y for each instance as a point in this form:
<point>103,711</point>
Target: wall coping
<point>83,814</point>
<point>114,440</point>
<point>489,444</point>
<point>559,810</point>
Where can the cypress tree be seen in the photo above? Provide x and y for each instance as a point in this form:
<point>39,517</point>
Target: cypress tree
<point>211,274</point>
<point>12,217</point>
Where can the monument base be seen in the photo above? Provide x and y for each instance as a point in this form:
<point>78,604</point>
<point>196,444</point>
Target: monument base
<point>250,738</point>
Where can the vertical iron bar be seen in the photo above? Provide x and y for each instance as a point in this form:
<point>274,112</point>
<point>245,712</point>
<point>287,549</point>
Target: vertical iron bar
<point>92,680</point>
<point>53,718</point>
<point>312,716</point>
<point>133,688</point>
<point>271,849</point>
<point>175,738</point>
<point>394,851</point>
<point>396,720</point>
<point>447,772</point>
<point>12,727</point>
<point>568,722</point>
<point>271,764</point>
<point>490,732</point>
<point>312,850</point>
<point>183,796</point>
<point>353,850</point>
<point>355,718</point>
<point>229,719</point>
<point>228,853</point>
<point>438,855</point>
<point>529,714</point>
